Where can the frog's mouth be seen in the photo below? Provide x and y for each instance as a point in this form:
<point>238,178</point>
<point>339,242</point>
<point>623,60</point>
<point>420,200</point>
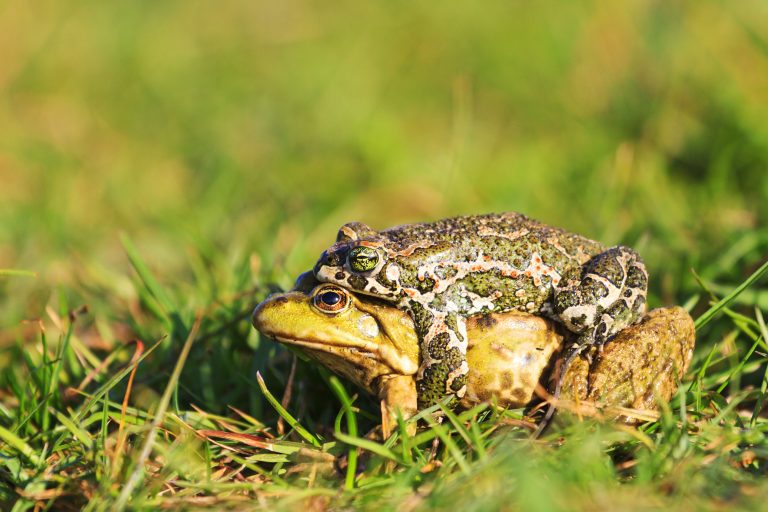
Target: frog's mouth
<point>383,354</point>
<point>367,351</point>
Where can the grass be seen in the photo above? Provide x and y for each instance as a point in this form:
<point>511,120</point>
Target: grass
<point>97,452</point>
<point>163,167</point>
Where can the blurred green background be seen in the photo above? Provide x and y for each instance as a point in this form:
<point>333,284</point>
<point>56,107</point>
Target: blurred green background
<point>217,133</point>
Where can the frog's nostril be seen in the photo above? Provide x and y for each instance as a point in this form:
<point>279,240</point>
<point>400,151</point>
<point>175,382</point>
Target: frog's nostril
<point>327,259</point>
<point>332,260</point>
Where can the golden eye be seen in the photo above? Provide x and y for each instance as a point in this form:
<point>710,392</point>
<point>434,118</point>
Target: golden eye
<point>363,259</point>
<point>330,299</point>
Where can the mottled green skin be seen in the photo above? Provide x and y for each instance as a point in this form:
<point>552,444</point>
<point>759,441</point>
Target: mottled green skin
<point>445,271</point>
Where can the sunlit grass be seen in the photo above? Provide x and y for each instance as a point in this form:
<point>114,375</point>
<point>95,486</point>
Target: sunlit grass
<point>83,445</point>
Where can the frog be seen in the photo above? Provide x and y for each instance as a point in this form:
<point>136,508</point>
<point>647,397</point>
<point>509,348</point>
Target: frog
<point>443,272</point>
<point>374,344</point>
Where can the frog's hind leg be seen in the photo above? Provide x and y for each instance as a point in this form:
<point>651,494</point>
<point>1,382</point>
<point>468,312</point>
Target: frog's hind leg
<point>603,296</point>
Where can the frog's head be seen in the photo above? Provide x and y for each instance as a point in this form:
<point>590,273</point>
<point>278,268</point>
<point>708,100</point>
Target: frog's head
<point>359,261</point>
<point>360,340</point>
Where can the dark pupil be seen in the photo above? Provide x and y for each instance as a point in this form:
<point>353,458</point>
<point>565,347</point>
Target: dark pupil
<point>330,298</point>
<point>363,260</point>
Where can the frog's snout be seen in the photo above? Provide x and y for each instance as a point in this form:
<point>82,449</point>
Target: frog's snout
<point>262,314</point>
<point>257,316</point>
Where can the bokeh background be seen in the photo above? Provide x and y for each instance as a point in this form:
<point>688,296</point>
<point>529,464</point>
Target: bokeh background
<point>218,133</point>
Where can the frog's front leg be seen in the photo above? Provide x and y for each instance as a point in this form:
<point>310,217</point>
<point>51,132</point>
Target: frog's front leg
<point>443,342</point>
<point>398,396</point>
<point>603,296</point>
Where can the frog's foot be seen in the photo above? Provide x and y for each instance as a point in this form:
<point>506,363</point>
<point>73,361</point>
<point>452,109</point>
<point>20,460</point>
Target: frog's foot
<point>604,296</point>
<point>444,369</point>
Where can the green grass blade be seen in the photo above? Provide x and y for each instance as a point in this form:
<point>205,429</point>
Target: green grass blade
<point>56,372</point>
<point>740,366</point>
<point>457,425</point>
<point>293,422</point>
<point>80,434</point>
<point>146,275</point>
<point>405,439</point>
<point>371,446</point>
<point>20,446</point>
<point>346,403</point>
<point>760,402</point>
<point>450,445</point>
<point>112,382</point>
<point>708,315</point>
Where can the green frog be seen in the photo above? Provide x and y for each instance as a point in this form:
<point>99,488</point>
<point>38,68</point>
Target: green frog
<point>442,273</point>
<point>374,345</point>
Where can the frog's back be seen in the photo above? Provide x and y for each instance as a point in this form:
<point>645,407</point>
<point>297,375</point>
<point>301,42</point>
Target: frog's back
<point>510,237</point>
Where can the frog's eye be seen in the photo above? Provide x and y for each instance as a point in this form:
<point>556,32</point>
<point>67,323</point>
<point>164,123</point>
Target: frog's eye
<point>363,259</point>
<point>331,299</point>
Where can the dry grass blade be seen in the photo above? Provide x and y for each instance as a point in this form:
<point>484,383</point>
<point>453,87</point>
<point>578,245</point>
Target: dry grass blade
<point>117,456</point>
